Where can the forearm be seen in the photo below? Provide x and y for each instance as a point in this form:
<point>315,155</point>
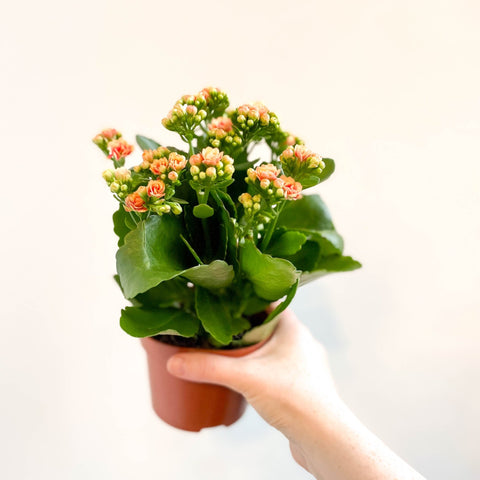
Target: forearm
<point>334,445</point>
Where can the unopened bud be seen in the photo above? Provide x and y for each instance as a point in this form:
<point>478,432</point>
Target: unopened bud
<point>264,183</point>
<point>114,187</point>
<point>108,175</point>
<point>173,176</point>
<point>211,172</point>
<point>176,209</point>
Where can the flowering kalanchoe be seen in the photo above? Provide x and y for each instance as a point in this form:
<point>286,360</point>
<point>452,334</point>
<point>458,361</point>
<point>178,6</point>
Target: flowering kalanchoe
<point>211,166</point>
<point>300,162</point>
<point>238,246</point>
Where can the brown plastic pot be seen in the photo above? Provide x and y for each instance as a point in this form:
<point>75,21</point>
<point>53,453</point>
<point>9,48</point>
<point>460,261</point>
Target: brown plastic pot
<point>189,405</point>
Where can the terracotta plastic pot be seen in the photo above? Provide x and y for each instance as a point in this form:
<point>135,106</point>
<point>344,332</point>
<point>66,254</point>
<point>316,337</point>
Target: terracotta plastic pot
<point>188,405</point>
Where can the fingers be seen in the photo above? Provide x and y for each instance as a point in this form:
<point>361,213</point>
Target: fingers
<point>207,368</point>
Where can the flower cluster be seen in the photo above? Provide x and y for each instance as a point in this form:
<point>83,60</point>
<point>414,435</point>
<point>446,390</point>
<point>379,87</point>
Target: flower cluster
<point>113,145</point>
<point>163,163</point>
<point>300,162</point>
<point>190,111</point>
<point>216,139</point>
<point>267,180</point>
<point>119,180</point>
<point>210,166</point>
<point>221,134</point>
<point>255,121</point>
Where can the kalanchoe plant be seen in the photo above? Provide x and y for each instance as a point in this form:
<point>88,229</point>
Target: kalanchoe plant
<point>208,236</point>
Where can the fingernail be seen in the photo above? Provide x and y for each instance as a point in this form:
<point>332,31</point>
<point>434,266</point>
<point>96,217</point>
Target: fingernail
<point>176,366</point>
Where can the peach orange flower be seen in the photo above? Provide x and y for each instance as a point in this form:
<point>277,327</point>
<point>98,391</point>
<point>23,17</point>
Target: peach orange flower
<point>302,152</point>
<point>290,140</point>
<point>147,156</point>
<point>156,188</point>
<point>196,160</point>
<point>211,156</point>
<point>221,123</point>
<point>119,148</point>
<point>267,172</point>
<point>110,133</point>
<point>177,162</point>
<point>135,201</point>
<point>291,188</point>
<point>159,166</point>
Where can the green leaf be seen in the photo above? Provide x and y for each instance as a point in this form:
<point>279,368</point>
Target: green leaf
<point>283,305</point>
<point>307,213</point>
<point>216,317</point>
<point>152,253</point>
<point>141,322</point>
<point>271,277</point>
<point>146,143</point>
<point>288,243</point>
<point>306,259</point>
<point>263,331</point>
<point>215,275</point>
<point>331,264</point>
<point>309,181</point>
<point>203,211</point>
<point>119,226</point>
<point>166,294</point>
<point>328,170</point>
<point>255,305</point>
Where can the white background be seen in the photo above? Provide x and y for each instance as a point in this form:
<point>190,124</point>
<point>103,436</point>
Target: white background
<point>390,89</point>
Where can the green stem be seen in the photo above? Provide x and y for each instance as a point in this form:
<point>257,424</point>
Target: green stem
<point>192,251</point>
<point>271,228</point>
<point>202,198</point>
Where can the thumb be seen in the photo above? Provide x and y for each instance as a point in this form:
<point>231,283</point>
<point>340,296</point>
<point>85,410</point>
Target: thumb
<point>207,368</point>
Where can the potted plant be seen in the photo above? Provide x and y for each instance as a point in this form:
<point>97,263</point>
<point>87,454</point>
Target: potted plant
<point>209,235</point>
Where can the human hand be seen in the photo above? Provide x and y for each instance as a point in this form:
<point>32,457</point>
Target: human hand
<point>287,380</point>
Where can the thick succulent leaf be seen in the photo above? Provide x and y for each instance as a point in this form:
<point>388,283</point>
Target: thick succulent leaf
<point>255,305</point>
<point>330,264</point>
<point>146,143</point>
<point>141,322</point>
<point>271,277</point>
<point>152,253</point>
<point>328,170</point>
<point>166,294</point>
<point>215,275</point>
<point>287,243</point>
<point>329,241</point>
<point>216,317</point>
<point>119,226</point>
<point>307,213</point>
<point>263,331</point>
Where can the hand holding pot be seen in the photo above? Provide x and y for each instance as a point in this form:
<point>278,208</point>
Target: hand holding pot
<point>288,382</point>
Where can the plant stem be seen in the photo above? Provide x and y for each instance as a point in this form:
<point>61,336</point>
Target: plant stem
<point>271,228</point>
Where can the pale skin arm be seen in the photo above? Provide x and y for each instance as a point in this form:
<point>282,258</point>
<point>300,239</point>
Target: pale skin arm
<point>288,382</point>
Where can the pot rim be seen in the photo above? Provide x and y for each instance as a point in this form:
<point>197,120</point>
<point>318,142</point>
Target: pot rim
<point>150,341</point>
